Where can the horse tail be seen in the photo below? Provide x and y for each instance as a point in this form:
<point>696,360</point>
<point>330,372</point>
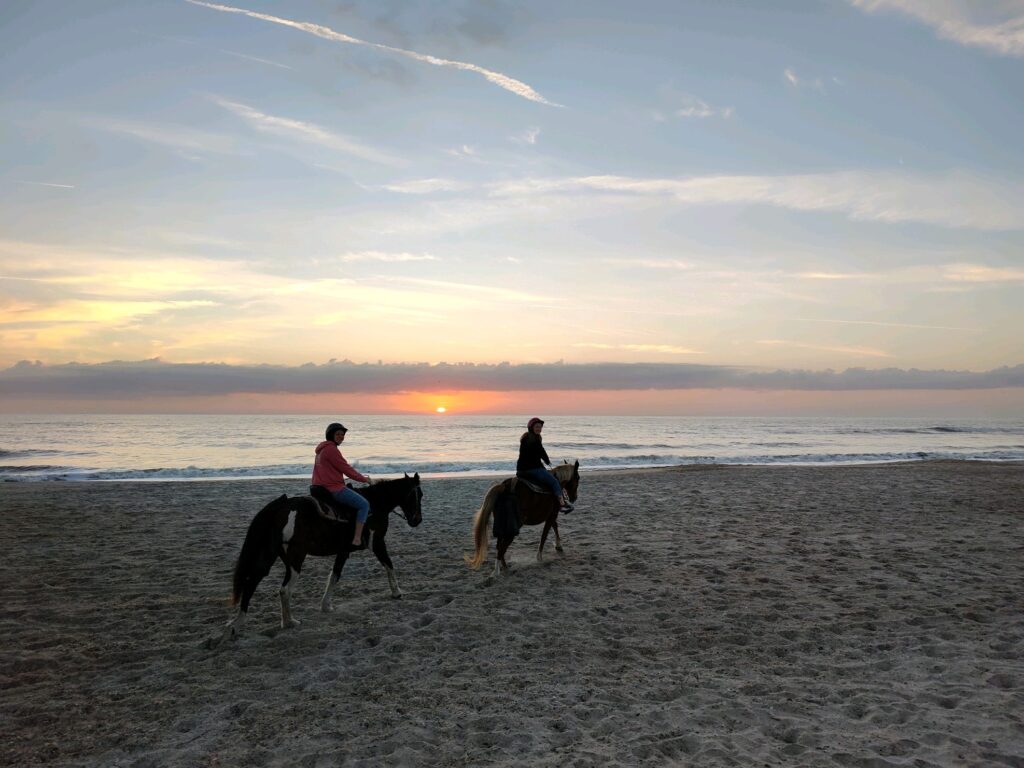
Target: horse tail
<point>259,550</point>
<point>482,525</point>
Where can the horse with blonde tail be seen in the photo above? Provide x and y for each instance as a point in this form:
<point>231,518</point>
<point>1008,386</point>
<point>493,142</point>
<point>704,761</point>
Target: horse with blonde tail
<point>520,502</point>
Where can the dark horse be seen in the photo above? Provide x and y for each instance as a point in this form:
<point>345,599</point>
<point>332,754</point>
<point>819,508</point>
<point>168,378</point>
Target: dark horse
<point>291,528</point>
<point>534,508</point>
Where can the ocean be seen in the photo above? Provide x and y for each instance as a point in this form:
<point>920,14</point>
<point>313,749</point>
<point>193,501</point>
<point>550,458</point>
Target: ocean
<point>209,447</point>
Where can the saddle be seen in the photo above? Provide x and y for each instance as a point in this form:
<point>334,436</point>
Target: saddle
<point>531,485</point>
<point>328,506</point>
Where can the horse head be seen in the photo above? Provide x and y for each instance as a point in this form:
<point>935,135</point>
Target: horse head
<point>411,503</point>
<point>569,478</point>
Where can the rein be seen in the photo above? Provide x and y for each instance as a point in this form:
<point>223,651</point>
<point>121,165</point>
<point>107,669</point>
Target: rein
<point>397,510</point>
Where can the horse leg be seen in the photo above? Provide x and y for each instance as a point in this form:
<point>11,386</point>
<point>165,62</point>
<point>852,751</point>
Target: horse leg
<point>500,566</point>
<point>380,549</point>
<point>292,564</point>
<point>251,573</point>
<point>544,537</point>
<point>558,539</point>
<point>332,580</point>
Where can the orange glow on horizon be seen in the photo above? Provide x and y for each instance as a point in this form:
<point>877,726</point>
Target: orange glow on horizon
<point>694,402</point>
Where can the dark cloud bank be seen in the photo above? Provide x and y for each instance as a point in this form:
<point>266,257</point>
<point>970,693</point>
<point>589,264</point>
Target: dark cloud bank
<point>154,378</point>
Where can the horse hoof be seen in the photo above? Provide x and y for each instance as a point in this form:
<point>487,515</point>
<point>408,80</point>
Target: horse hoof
<point>327,608</point>
<point>290,624</point>
<point>559,550</point>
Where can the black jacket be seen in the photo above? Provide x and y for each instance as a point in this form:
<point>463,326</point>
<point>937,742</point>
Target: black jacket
<point>531,453</point>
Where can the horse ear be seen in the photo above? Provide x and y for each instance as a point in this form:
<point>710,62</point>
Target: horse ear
<point>406,474</point>
<point>416,477</point>
<point>577,464</point>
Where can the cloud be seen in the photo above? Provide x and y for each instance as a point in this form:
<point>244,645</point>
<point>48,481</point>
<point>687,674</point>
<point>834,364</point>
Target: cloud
<point>884,325</point>
<point>502,81</point>
<point>465,152</point>
<point>386,257</point>
<point>694,107</point>
<point>236,54</point>
<point>797,81</point>
<point>649,263</point>
<point>950,200</point>
<point>153,378</point>
<point>835,276</point>
<point>447,287</point>
<point>978,273</point>
<point>173,136</point>
<point>855,351</point>
<point>665,349</point>
<point>529,136</point>
<point>47,184</point>
<point>307,132</point>
<point>426,186</point>
<point>995,26</point>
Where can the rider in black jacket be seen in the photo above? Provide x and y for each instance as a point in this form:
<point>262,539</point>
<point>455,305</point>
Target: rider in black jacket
<point>533,457</point>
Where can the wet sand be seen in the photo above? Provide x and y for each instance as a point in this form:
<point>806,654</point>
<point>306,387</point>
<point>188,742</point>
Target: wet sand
<point>710,616</point>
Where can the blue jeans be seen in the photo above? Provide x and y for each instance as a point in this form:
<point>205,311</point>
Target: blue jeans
<point>350,498</point>
<point>541,476</point>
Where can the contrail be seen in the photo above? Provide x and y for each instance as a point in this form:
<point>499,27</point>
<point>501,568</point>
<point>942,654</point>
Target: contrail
<point>48,184</point>
<point>502,81</point>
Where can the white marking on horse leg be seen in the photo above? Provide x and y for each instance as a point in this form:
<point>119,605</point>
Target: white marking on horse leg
<point>497,569</point>
<point>393,582</point>
<point>332,581</point>
<point>287,620</point>
<point>289,529</point>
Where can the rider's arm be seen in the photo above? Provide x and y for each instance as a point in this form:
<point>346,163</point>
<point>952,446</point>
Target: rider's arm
<point>338,462</point>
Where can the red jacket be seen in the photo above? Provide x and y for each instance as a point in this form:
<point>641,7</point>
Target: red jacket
<point>330,468</point>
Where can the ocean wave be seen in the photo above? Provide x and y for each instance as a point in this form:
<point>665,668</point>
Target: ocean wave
<point>382,469</point>
<point>6,453</point>
<point>933,430</point>
<point>560,446</point>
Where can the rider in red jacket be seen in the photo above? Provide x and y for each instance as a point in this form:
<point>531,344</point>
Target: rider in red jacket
<point>330,470</point>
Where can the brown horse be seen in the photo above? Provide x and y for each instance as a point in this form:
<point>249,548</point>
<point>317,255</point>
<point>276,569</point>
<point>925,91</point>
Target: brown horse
<point>534,508</point>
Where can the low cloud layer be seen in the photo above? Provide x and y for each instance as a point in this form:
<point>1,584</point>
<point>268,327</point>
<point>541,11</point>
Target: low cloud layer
<point>153,378</point>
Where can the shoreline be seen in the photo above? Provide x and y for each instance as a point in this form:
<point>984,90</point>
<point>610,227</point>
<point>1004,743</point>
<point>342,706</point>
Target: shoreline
<point>702,614</point>
<point>594,472</point>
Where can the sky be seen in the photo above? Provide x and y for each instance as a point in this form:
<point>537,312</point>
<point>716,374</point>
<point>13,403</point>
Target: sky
<point>720,206</point>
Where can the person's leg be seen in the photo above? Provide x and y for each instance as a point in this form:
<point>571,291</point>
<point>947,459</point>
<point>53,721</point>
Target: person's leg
<point>361,514</point>
<point>542,476</point>
<point>350,498</point>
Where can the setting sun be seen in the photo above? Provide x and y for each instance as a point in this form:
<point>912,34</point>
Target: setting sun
<point>441,409</point>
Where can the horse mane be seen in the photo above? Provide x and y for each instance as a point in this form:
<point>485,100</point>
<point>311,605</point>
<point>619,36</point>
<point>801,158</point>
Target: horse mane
<point>380,486</point>
<point>563,471</point>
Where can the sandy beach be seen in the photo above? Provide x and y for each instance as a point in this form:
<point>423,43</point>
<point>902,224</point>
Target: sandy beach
<point>708,616</point>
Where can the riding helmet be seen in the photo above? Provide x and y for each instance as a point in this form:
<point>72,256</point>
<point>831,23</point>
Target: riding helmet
<point>531,422</point>
<point>332,428</point>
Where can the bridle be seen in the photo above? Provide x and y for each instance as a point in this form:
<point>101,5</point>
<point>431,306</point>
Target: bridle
<point>397,510</point>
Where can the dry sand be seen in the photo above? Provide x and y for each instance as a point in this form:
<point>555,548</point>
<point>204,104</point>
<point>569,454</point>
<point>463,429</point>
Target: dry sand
<point>838,616</point>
